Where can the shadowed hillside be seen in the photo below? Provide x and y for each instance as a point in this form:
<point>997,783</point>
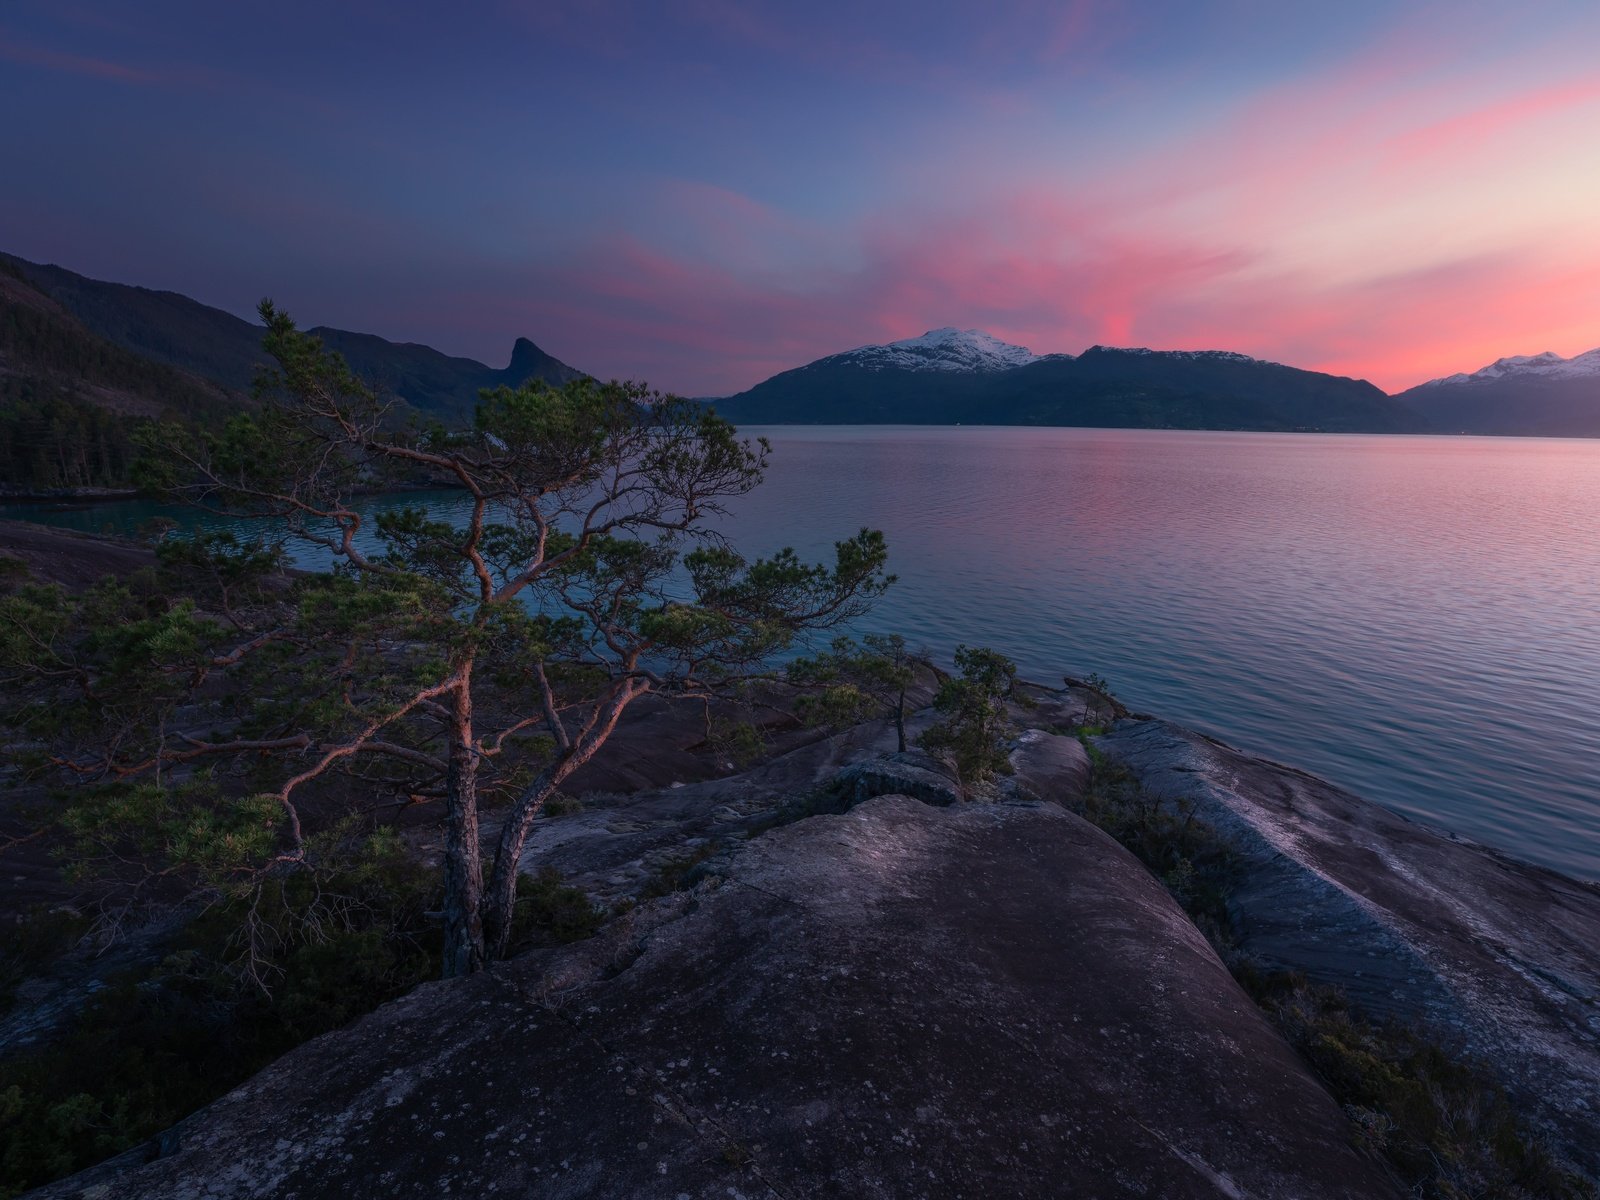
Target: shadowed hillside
<point>69,399</point>
<point>1104,387</point>
<point>1539,396</point>
<point>173,329</point>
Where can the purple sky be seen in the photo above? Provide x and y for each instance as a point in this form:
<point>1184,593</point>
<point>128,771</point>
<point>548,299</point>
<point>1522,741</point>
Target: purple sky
<point>1393,190</point>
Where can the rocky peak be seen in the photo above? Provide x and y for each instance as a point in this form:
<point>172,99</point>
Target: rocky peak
<point>1548,365</point>
<point>526,359</point>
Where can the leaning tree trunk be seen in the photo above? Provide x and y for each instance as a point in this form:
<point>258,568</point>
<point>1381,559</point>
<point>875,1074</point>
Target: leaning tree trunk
<point>501,899</point>
<point>463,865</point>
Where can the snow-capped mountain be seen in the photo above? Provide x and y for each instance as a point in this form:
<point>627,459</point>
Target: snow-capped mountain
<point>967,377</point>
<point>970,351</point>
<point>1530,366</point>
<point>1527,394</point>
<point>1192,355</point>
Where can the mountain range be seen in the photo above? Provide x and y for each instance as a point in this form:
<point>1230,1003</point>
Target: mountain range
<point>155,351</point>
<point>69,399</point>
<point>205,342</point>
<point>950,376</point>
<point>1539,394</point>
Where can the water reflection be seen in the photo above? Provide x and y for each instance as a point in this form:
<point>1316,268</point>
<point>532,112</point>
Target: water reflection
<point>1414,618</point>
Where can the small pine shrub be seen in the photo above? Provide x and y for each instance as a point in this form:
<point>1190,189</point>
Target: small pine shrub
<point>549,910</point>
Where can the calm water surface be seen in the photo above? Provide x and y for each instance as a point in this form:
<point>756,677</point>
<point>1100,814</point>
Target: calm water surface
<point>1416,619</point>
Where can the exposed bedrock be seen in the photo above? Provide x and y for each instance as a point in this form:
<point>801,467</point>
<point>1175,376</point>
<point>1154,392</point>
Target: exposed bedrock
<point>1499,958</point>
<point>905,774</point>
<point>616,845</point>
<point>1049,766</point>
<point>977,1000</point>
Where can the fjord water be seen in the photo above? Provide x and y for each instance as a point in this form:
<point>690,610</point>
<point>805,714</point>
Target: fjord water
<point>1414,618</point>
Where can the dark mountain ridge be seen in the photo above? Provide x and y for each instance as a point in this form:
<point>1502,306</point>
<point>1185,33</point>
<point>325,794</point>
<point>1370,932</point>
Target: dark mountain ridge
<point>181,332</point>
<point>904,383</point>
<point>946,376</point>
<point>69,398</point>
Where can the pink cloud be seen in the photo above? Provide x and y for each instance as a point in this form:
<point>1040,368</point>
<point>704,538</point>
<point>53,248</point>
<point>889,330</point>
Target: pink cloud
<point>1044,275</point>
<point>1472,129</point>
<point>77,64</point>
<point>167,75</point>
<point>1053,279</point>
<point>1295,226</point>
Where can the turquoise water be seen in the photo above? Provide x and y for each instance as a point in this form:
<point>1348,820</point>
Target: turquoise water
<point>1414,618</point>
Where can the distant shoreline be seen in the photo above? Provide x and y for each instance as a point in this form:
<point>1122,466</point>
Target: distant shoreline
<point>84,495</point>
<point>1318,433</point>
<point>91,496</point>
<point>88,497</point>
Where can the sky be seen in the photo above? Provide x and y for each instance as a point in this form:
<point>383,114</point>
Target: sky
<point>703,193</point>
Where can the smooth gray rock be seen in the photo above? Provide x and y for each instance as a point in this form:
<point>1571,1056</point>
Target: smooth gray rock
<point>1050,766</point>
<point>1500,959</point>
<point>615,845</point>
<point>901,1001</point>
<point>903,774</point>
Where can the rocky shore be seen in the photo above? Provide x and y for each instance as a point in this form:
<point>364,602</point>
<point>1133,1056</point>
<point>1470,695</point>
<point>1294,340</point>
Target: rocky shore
<point>860,982</point>
<point>1498,959</point>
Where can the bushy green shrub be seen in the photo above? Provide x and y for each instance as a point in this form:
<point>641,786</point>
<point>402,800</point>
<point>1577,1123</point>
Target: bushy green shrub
<point>1185,853</point>
<point>974,722</point>
<point>243,984</point>
<point>670,875</point>
<point>32,941</point>
<point>1439,1119</point>
<point>561,805</point>
<point>551,910</point>
<point>736,743</point>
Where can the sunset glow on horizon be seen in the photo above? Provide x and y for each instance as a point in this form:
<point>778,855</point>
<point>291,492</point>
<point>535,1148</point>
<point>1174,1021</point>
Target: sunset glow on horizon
<point>1395,191</point>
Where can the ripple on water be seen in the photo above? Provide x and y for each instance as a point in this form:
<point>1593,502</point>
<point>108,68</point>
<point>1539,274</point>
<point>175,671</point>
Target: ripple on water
<point>1412,618</point>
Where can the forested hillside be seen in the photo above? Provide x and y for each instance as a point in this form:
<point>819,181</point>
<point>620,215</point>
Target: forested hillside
<point>205,342</point>
<point>69,400</point>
